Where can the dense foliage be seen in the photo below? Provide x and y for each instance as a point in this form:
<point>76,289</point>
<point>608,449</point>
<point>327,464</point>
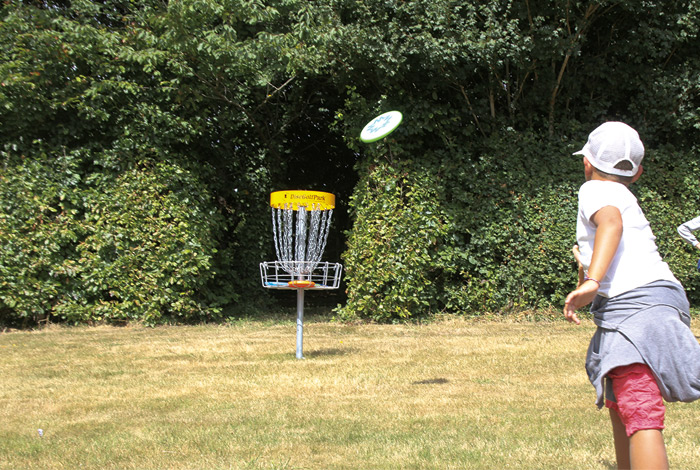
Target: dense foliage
<point>497,96</point>
<point>140,140</point>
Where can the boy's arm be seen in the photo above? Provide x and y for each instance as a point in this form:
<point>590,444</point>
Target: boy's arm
<point>607,239</point>
<point>577,255</point>
<point>686,231</point>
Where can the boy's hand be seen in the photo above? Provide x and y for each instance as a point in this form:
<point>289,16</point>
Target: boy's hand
<point>577,255</point>
<point>581,297</point>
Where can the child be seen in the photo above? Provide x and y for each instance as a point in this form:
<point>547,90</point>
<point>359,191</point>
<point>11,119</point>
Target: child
<point>643,348</point>
<point>686,230</point>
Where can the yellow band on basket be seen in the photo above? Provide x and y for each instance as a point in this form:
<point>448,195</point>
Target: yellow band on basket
<point>306,199</point>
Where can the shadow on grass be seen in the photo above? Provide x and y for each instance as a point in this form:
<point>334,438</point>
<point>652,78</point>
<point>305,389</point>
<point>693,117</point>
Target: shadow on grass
<point>430,382</point>
<point>310,354</point>
<point>608,465</point>
<point>329,352</point>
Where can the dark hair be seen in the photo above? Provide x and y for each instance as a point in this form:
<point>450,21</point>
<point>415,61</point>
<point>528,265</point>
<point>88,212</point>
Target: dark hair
<point>624,165</point>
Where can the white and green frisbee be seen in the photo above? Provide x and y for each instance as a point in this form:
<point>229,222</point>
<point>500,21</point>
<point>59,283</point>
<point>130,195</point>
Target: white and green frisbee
<point>381,126</point>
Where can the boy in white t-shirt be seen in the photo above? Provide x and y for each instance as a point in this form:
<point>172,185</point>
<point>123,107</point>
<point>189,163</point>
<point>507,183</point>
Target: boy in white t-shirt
<point>643,350</point>
<point>686,229</point>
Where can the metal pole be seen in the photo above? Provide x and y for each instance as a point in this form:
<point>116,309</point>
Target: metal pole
<point>300,323</point>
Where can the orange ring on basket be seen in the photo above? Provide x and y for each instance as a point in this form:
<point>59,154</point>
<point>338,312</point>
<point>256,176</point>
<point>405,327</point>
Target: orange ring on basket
<point>301,284</point>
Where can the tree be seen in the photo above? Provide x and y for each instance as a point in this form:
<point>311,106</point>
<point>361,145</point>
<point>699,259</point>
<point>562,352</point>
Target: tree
<point>187,114</point>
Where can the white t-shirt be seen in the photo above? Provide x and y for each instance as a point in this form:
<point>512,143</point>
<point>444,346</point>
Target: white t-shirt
<point>637,261</point>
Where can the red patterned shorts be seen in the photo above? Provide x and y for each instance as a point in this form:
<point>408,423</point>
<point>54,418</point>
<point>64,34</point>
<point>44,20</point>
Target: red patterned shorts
<point>639,401</point>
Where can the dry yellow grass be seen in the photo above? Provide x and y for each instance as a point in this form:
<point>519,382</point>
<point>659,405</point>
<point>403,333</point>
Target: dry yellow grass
<point>453,394</point>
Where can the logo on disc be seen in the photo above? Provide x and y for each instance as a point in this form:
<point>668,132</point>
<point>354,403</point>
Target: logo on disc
<point>381,126</point>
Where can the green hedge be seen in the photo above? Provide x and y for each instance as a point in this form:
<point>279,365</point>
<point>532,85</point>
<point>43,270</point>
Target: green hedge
<point>140,141</point>
<point>492,231</point>
<point>136,245</point>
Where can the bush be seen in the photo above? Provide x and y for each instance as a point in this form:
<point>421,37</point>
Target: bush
<point>391,261</point>
<point>132,246</point>
<point>490,229</point>
<point>473,231</point>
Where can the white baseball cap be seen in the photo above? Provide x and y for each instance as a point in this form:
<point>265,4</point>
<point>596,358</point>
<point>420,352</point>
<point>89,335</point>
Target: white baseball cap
<point>611,143</point>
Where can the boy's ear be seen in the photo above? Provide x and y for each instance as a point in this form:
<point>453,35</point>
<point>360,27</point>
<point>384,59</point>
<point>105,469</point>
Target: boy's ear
<point>587,168</point>
<point>639,173</point>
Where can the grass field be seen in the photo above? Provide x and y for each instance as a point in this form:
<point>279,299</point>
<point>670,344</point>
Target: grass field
<point>452,394</point>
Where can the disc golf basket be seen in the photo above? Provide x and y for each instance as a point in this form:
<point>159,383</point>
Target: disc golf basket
<point>300,223</point>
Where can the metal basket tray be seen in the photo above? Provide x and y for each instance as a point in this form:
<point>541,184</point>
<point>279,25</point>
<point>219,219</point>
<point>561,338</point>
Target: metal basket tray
<point>278,274</point>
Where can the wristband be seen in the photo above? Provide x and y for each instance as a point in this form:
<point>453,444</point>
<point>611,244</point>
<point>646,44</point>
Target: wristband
<point>586,278</point>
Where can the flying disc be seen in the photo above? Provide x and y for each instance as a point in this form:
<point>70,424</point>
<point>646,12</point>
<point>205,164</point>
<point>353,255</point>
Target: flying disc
<point>381,126</point>
<point>276,284</point>
<point>301,284</point>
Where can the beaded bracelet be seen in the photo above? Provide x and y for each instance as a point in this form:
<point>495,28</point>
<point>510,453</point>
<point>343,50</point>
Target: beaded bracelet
<point>586,278</point>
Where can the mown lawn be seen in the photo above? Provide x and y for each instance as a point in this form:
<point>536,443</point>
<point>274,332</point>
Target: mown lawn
<point>453,394</point>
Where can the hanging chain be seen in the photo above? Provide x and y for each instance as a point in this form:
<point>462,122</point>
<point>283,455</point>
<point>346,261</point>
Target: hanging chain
<point>298,256</point>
